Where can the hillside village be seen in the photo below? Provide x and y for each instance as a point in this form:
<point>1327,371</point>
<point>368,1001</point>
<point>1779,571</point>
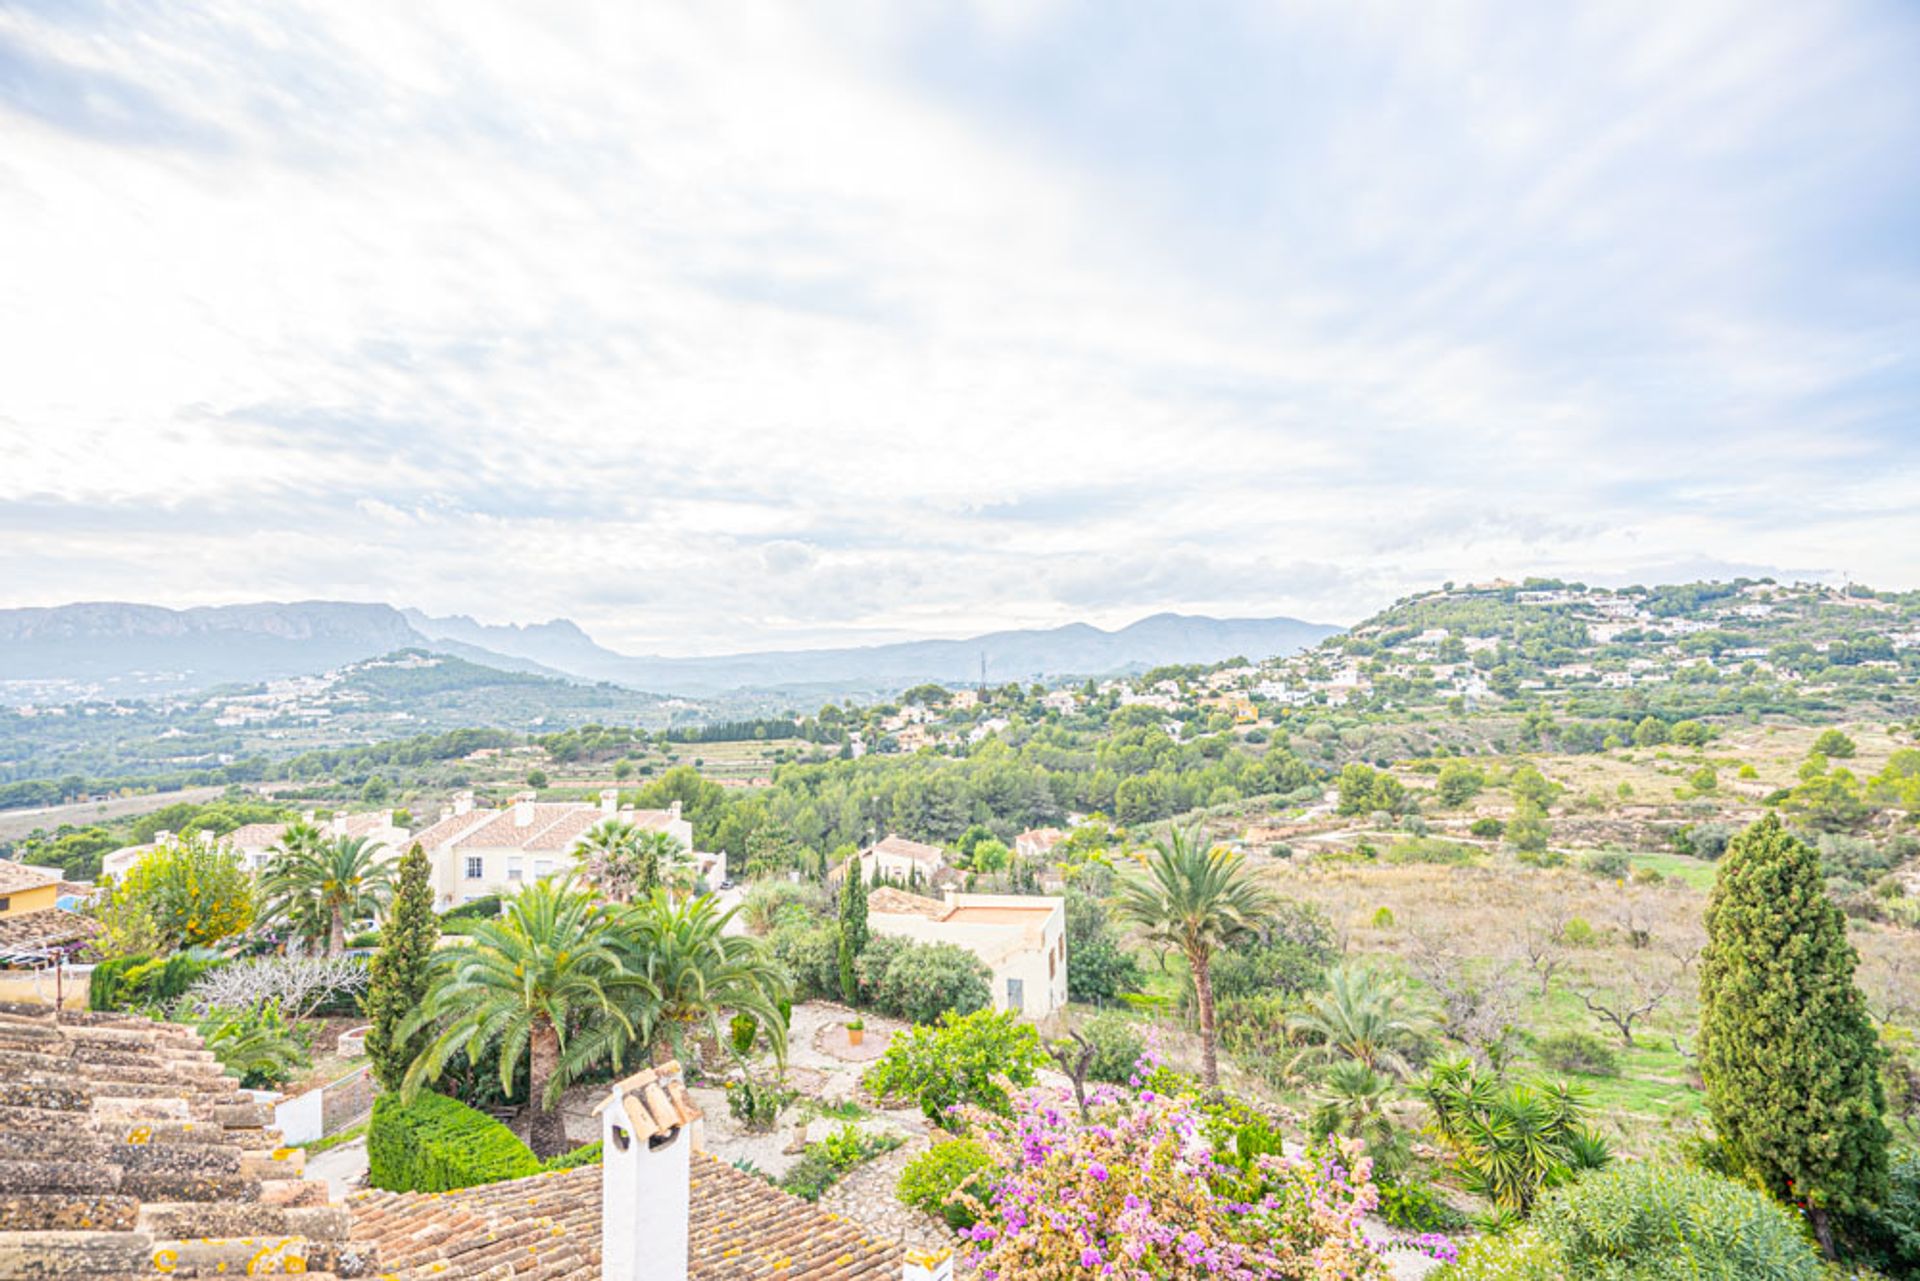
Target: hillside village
<point>1486,822</point>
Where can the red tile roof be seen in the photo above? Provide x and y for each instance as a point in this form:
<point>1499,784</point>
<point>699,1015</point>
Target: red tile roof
<point>547,1226</point>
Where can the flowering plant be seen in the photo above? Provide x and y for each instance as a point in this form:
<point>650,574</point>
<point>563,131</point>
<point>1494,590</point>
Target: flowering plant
<point>1133,1193</point>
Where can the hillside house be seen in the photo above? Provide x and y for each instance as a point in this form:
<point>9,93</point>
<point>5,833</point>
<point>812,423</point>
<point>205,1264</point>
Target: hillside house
<point>254,842</point>
<point>1037,843</point>
<point>896,859</point>
<point>477,852</point>
<point>1022,940</point>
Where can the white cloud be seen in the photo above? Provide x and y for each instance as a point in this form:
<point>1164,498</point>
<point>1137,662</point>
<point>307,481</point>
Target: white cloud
<point>715,328</point>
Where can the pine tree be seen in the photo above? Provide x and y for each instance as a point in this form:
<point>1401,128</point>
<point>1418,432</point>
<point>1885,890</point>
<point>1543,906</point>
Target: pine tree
<point>1787,1050</point>
<point>400,974</point>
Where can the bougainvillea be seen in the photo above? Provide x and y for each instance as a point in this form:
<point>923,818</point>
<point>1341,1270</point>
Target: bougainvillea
<point>1135,1193</point>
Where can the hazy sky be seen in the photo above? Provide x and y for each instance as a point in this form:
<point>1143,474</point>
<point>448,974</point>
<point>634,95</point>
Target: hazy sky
<point>721,326</point>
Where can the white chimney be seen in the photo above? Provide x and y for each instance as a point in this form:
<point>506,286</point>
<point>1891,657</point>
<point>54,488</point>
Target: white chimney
<point>523,811</point>
<point>463,802</point>
<point>673,810</point>
<point>610,800</point>
<point>648,1131</point>
<point>927,1265</point>
<point>306,816</point>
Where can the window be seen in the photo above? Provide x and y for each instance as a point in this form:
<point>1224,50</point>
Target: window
<point>543,868</point>
<point>1016,995</point>
<point>5,902</point>
<point>475,867</point>
<point>1053,964</point>
<point>513,869</point>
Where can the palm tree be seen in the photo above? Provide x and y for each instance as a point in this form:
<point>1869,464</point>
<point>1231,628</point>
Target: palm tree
<point>696,970</point>
<point>1361,1017</point>
<point>543,981</point>
<point>1198,898</point>
<point>312,878</point>
<point>1355,1105</point>
<point>667,863</point>
<point>610,858</point>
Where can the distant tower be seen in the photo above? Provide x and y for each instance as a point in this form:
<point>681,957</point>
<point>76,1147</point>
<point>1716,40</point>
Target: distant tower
<point>983,671</point>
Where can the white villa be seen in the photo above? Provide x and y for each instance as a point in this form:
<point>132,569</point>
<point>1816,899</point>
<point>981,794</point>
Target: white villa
<point>477,852</point>
<point>255,841</point>
<point>1022,939</point>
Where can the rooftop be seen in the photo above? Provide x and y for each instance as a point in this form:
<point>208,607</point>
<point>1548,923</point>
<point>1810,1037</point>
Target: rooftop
<point>547,1226</point>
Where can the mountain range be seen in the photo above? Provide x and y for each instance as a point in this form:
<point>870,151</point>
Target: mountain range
<point>130,649</point>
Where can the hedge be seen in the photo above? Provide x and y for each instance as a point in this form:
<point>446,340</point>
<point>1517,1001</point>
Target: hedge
<point>437,1144</point>
<point>588,1155</point>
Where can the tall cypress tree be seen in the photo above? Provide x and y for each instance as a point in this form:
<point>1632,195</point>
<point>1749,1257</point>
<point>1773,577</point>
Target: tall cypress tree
<point>853,928</point>
<point>401,970</point>
<point>1787,1050</point>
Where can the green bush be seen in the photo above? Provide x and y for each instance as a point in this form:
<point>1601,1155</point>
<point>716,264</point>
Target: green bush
<point>811,955</point>
<point>258,1047</point>
<point>1643,1221</point>
<point>822,1164</point>
<point>588,1155</point>
<point>1517,1256</point>
<point>756,1105</point>
<point>1488,829</point>
<point>927,980</point>
<point>437,1144</point>
<point>1412,1205</point>
<point>106,988</point>
<point>1888,1237</point>
<point>943,1169</point>
<point>965,1059</point>
<point>483,908</point>
<point>1117,1046</point>
<point>1579,1053</point>
<point>145,980</point>
<point>743,1029</point>
<point>1608,865</point>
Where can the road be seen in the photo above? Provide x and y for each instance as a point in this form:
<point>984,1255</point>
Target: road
<point>17,823</point>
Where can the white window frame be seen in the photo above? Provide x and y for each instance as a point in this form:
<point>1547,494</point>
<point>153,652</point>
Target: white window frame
<point>476,867</point>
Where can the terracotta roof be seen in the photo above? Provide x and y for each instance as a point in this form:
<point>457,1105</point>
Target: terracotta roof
<point>255,836</point>
<point>15,877</point>
<point>440,833</point>
<point>566,831</point>
<point>46,927</point>
<point>896,902</point>
<point>125,1150</point>
<point>650,820</point>
<point>547,1226</point>
<point>901,847</point>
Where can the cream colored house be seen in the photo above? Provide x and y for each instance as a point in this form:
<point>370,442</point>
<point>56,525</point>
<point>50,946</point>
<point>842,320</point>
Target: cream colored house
<point>896,859</point>
<point>477,852</point>
<point>255,842</point>
<point>1022,939</point>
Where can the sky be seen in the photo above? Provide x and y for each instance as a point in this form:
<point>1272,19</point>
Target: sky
<point>723,327</point>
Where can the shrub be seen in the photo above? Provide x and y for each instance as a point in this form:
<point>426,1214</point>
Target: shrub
<point>811,955</point>
<point>484,908</point>
<point>927,980</point>
<point>1098,968</point>
<point>1703,840</point>
<point>256,1046</point>
<point>437,1144</point>
<point>930,1179</point>
<point>1888,1237</point>
<point>1428,849</point>
<point>822,1164</point>
<point>1116,1042</point>
<point>1579,1053</point>
<point>163,980</point>
<point>587,1155</point>
<point>742,1029</point>
<point>1516,1256</point>
<point>1833,743</point>
<point>1645,1220</point>
<point>1510,1140</point>
<point>1412,1205</point>
<point>756,1105</point>
<point>1488,829</point>
<point>189,893</point>
<point>965,1059</point>
<point>1610,865</point>
<point>1577,932</point>
<point>106,988</point>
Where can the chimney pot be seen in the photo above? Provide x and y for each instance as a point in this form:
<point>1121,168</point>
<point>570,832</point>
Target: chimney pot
<point>610,800</point>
